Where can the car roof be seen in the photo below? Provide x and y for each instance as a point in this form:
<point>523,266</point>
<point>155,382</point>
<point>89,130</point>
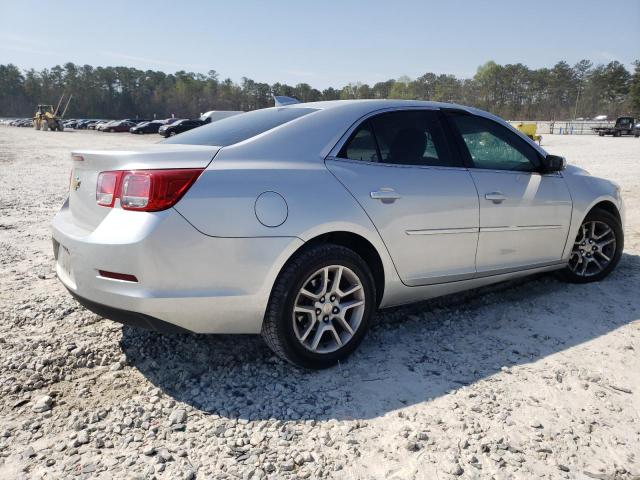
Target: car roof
<point>315,134</point>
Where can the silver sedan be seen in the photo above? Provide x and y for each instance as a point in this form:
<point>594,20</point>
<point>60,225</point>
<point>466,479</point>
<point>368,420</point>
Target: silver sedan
<point>298,222</point>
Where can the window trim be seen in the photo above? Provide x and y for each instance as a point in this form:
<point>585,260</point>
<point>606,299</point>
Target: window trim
<point>463,150</point>
<point>448,137</point>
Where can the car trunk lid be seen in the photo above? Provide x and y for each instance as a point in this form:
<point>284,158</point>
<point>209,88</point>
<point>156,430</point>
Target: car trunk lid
<point>87,164</point>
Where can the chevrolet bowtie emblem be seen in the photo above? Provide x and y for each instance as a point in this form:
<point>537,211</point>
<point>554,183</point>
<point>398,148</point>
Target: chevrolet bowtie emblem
<point>75,183</point>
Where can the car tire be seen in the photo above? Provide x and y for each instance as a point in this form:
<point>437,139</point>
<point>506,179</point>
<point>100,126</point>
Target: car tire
<point>587,266</point>
<point>319,330</point>
<point>172,134</point>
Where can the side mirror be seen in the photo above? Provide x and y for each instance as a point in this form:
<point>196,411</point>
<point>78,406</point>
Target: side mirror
<point>552,164</point>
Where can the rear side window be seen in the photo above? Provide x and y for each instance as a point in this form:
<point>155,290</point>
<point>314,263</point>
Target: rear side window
<point>493,146</point>
<point>239,127</point>
<point>413,137</point>
<point>362,145</point>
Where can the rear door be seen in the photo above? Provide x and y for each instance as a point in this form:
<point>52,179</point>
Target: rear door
<point>524,215</point>
<point>399,167</point>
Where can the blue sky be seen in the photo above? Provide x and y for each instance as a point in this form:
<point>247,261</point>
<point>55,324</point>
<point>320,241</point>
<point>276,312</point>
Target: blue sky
<point>323,43</point>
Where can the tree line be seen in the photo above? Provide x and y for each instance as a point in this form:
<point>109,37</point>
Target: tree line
<point>512,91</point>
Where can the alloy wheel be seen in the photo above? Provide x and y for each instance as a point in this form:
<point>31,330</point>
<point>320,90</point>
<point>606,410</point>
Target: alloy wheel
<point>593,250</point>
<point>328,309</point>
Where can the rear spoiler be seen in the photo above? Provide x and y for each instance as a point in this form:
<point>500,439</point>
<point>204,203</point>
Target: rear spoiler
<point>281,100</point>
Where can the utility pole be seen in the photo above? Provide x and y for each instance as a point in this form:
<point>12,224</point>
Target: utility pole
<point>575,110</point>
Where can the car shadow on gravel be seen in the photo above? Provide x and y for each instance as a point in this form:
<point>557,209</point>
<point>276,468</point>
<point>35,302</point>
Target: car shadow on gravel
<point>411,355</point>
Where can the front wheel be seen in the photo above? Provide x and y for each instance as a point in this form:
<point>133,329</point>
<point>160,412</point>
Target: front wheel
<point>320,307</point>
<point>597,248</point>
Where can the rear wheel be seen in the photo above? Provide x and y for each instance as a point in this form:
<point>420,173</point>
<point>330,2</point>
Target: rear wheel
<point>320,307</point>
<point>597,248</point>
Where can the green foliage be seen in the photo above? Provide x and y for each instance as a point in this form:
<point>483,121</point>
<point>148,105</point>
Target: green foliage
<point>512,91</point>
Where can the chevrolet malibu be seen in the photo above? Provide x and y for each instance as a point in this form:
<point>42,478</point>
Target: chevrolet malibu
<point>298,222</point>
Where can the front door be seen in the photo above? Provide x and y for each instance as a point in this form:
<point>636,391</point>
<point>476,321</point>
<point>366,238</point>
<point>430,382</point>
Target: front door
<point>399,168</point>
<point>524,215</point>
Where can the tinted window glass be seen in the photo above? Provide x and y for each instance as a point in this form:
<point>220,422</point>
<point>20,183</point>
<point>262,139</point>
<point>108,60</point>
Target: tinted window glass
<point>361,145</point>
<point>240,127</point>
<point>412,138</point>
<point>493,146</point>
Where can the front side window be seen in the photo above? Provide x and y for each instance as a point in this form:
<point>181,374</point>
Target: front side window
<point>492,146</point>
<point>411,137</point>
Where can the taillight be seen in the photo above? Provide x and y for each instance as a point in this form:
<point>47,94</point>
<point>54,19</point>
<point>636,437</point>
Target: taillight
<point>107,188</point>
<point>146,190</point>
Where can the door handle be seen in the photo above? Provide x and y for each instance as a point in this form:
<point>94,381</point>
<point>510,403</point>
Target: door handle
<point>495,197</point>
<point>387,195</point>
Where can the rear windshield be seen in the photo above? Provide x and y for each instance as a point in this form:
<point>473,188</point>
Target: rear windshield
<point>239,127</point>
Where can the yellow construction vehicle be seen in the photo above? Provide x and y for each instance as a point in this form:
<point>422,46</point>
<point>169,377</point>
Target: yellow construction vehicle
<point>529,129</point>
<point>46,118</point>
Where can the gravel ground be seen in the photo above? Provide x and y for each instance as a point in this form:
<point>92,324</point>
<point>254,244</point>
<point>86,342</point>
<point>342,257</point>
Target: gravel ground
<point>532,379</point>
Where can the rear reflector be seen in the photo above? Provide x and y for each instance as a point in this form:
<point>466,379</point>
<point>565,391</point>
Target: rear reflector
<point>118,276</point>
<point>145,190</point>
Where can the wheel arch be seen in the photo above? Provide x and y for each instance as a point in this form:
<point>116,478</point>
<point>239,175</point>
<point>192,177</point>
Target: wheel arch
<point>607,206</point>
<point>359,245</point>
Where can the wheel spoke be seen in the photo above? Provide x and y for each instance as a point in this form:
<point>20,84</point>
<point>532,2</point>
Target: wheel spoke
<point>606,232</point>
<point>308,330</point>
<point>604,256</point>
<point>604,243</point>
<point>335,286</point>
<point>585,264</point>
<point>351,290</point>
<point>336,336</point>
<point>317,337</point>
<point>302,309</point>
<point>351,304</point>
<point>309,294</point>
<point>343,322</point>
<point>594,260</point>
<point>325,280</point>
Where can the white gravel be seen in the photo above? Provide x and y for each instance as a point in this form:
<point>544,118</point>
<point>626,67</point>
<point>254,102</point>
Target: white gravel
<point>534,379</point>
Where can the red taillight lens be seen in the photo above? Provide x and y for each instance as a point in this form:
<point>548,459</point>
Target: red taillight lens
<point>107,188</point>
<point>149,190</point>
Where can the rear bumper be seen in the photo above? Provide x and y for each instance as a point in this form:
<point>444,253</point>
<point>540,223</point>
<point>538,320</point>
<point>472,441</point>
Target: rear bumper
<point>126,317</point>
<point>186,279</point>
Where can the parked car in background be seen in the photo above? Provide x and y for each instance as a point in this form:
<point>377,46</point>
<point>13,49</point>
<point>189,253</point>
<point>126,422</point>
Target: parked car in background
<point>101,126</point>
<point>147,127</point>
<point>298,222</point>
<point>118,126</point>
<point>179,127</point>
<point>215,115</point>
<point>97,125</point>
